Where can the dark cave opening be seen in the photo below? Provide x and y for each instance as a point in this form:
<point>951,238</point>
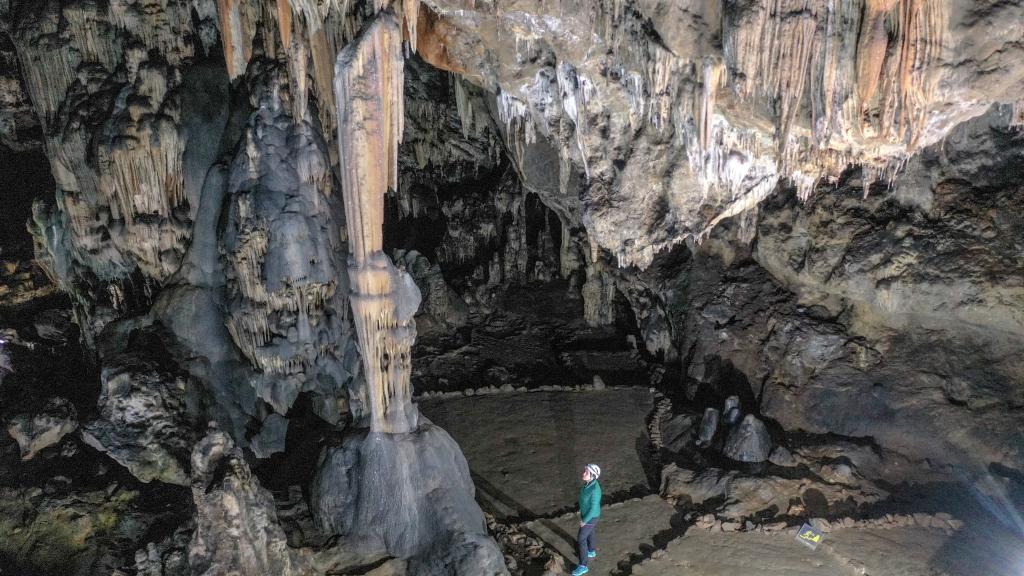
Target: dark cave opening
<point>26,176</point>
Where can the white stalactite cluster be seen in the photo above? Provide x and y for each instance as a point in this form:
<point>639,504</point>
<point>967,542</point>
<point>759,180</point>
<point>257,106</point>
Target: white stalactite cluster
<point>799,91</point>
<point>308,33</point>
<point>112,124</point>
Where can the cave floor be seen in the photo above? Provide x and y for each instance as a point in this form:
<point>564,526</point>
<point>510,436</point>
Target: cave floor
<point>527,450</point>
<point>648,537</point>
<point>904,551</point>
<point>627,533</point>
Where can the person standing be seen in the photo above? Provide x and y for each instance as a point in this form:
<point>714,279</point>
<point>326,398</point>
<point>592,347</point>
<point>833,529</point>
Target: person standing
<point>590,511</point>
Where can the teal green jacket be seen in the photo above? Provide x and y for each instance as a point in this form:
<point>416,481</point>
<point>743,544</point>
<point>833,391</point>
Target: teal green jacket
<point>590,502</point>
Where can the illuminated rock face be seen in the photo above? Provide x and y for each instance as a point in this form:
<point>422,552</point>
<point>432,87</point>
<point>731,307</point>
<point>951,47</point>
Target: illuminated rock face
<point>684,114</point>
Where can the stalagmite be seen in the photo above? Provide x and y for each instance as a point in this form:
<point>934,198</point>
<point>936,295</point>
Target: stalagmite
<point>368,88</point>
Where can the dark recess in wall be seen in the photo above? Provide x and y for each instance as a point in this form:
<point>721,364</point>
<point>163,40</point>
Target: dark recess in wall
<point>25,176</point>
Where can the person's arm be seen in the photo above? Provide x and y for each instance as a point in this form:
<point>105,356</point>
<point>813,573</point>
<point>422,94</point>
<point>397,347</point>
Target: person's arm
<point>593,506</point>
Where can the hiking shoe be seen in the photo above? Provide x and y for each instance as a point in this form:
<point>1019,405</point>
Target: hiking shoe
<point>592,554</point>
<point>580,571</point>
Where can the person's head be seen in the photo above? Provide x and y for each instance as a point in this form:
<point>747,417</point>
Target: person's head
<point>591,472</point>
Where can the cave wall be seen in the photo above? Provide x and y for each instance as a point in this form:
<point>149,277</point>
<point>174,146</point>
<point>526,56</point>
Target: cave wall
<point>891,317</point>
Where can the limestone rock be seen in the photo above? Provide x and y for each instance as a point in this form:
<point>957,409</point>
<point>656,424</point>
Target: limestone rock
<point>712,109</point>
<point>708,427</point>
<point>780,456</point>
<point>168,557</point>
<point>425,513</point>
<point>749,442</point>
<point>236,524</point>
<point>271,437</point>
<point>34,432</point>
<point>147,417</point>
<point>440,301</point>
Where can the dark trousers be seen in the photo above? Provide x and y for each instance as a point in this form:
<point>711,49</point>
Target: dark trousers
<point>586,541</point>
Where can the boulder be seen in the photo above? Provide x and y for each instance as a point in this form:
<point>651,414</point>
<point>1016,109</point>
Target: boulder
<point>237,531</point>
<point>731,410</point>
<point>410,494</point>
<point>708,427</point>
<point>271,437</point>
<point>52,325</point>
<point>6,365</point>
<point>695,487</point>
<point>749,442</point>
<point>781,456</point>
<point>679,432</point>
<point>740,496</point>
<point>147,417</point>
<point>33,432</point>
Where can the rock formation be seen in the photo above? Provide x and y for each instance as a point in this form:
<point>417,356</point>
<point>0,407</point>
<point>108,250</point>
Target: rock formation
<point>749,441</point>
<point>33,432</point>
<point>405,486</point>
<point>368,88</point>
<point>235,521</point>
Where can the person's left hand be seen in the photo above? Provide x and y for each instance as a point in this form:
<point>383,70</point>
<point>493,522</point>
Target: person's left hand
<point>582,524</point>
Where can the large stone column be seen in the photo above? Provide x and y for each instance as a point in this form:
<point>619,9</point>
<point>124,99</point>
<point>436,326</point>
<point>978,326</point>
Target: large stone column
<point>368,78</point>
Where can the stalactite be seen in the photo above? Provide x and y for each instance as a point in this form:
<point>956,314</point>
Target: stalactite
<point>368,84</point>
<point>520,129</point>
<point>284,22</point>
<point>234,37</point>
<point>700,151</point>
<point>871,48</point>
<point>158,25</point>
<point>463,106</point>
<point>576,90</point>
<point>755,193</point>
<point>91,36</point>
<point>145,174</point>
<point>663,72</point>
<point>297,63</point>
<point>910,81</point>
<point>804,184</point>
<point>48,75</point>
<point>410,16</point>
<point>633,83</point>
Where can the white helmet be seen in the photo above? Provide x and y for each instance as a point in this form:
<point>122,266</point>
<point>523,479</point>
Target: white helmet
<point>594,470</point>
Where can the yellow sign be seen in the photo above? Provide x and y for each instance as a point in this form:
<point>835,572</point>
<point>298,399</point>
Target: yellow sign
<point>809,536</point>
